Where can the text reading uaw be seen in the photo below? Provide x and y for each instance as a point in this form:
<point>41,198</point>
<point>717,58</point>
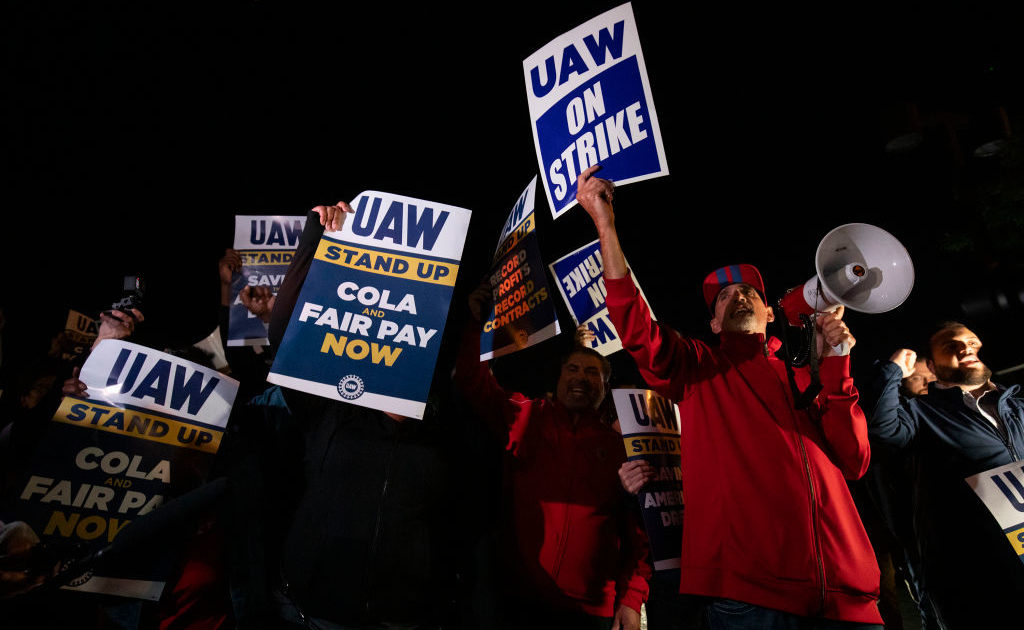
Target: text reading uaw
<point>596,134</point>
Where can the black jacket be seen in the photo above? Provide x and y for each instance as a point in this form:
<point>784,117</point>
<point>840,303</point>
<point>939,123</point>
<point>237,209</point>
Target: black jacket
<point>364,529</point>
<point>359,519</point>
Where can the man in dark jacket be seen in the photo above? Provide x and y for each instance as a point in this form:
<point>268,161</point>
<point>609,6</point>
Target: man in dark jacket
<point>964,426</point>
<point>358,524</point>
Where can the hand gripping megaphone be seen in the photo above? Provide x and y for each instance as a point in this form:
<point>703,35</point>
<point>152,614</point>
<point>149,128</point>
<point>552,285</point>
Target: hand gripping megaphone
<point>860,266</point>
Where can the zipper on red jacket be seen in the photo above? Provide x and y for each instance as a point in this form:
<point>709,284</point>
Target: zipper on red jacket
<point>814,515</point>
<point>815,535</point>
<point>563,536</point>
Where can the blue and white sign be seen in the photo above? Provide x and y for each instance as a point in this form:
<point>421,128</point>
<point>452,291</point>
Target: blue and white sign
<point>522,313</point>
<point>367,325</point>
<point>1002,491</point>
<point>146,431</point>
<point>266,245</point>
<point>650,431</point>
<point>580,278</point>
<point>590,102</point>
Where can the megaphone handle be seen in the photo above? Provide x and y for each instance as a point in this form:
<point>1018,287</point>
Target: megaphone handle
<point>843,348</point>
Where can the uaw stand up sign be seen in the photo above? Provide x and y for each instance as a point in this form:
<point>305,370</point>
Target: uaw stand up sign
<point>266,246</point>
<point>367,325</point>
<point>650,430</point>
<point>1002,491</point>
<point>146,431</point>
<point>590,102</point>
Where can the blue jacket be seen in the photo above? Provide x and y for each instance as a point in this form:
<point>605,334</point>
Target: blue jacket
<point>963,550</point>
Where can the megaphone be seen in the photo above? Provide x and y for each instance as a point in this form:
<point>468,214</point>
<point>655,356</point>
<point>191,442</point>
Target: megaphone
<point>860,266</point>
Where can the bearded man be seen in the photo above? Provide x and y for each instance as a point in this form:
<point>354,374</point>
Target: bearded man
<point>771,537</point>
<point>964,426</point>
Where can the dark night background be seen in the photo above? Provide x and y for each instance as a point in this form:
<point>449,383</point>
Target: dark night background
<point>134,132</point>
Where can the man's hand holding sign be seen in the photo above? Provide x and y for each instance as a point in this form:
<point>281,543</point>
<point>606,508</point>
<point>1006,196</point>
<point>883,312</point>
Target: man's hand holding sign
<point>333,217</point>
<point>596,195</point>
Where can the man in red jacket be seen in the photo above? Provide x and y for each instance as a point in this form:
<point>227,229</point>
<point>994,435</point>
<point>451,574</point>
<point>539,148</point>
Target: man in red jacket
<point>771,536</point>
<point>577,550</point>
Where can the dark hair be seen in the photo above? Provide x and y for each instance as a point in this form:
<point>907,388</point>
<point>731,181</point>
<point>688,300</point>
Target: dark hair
<point>934,330</point>
<point>606,365</point>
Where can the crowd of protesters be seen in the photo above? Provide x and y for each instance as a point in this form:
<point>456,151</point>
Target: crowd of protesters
<point>505,510</point>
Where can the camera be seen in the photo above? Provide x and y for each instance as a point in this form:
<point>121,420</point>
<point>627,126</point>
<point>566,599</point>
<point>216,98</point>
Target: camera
<point>132,292</point>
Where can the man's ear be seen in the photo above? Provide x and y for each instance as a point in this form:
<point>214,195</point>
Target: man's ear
<point>716,326</point>
<point>771,315</point>
<point>931,365</point>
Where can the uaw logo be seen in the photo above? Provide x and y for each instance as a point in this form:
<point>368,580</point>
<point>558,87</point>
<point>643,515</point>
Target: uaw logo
<point>351,387</point>
<point>81,579</point>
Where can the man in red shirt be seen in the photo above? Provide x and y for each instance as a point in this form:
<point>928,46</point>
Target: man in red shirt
<point>577,550</point>
<point>771,536</point>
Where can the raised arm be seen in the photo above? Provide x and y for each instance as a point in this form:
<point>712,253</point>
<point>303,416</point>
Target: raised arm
<point>595,195</point>
<point>319,219</point>
<point>666,360</point>
<point>890,421</point>
<point>473,377</point>
<point>842,420</point>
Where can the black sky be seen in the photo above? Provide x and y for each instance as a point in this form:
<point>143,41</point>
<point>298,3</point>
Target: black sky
<point>134,132</point>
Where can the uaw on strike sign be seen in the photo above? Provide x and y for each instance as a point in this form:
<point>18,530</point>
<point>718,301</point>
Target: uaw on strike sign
<point>580,278</point>
<point>590,103</point>
<point>367,325</point>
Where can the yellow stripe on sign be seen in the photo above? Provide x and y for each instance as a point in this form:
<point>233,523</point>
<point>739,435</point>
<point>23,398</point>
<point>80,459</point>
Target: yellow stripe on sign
<point>137,424</point>
<point>517,235</point>
<point>387,263</point>
<point>1016,538</point>
<point>651,445</point>
<point>266,257</point>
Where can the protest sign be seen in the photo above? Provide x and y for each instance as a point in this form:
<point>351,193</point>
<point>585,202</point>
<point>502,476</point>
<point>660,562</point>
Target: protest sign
<point>590,102</point>
<point>80,332</point>
<point>522,313</point>
<point>266,245</point>
<point>367,325</point>
<point>580,278</point>
<point>146,432</point>
<point>1002,491</point>
<point>650,430</point>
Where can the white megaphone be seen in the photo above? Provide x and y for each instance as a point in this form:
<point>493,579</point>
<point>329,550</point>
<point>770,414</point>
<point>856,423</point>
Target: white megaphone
<point>860,266</point>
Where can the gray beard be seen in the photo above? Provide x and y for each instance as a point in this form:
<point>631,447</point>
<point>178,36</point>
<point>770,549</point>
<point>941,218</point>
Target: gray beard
<point>742,322</point>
